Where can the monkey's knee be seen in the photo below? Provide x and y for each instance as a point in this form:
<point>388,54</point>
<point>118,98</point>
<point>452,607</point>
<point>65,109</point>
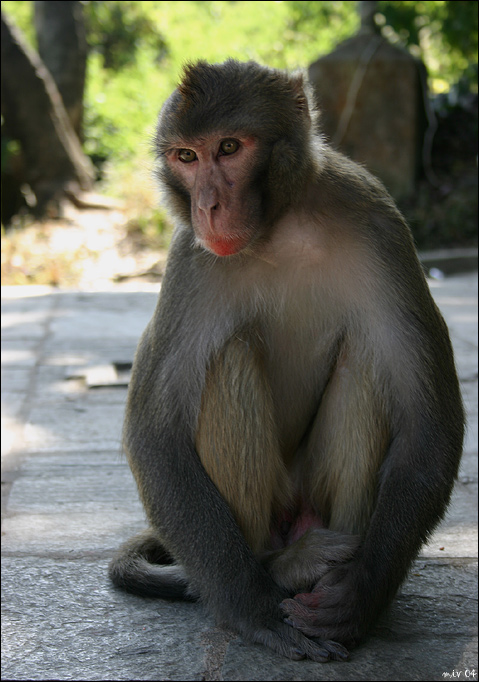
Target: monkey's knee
<point>301,565</point>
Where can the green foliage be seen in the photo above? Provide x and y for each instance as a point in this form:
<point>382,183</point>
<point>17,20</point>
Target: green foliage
<point>121,108</point>
<point>117,30</point>
<point>137,50</point>
<point>143,46</point>
<point>315,28</point>
<point>21,14</point>
<point>442,33</point>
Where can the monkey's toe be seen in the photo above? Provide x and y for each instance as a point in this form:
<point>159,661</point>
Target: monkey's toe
<point>292,643</point>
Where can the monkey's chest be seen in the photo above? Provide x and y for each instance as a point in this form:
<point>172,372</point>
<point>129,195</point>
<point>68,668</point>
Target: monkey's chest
<point>299,360</point>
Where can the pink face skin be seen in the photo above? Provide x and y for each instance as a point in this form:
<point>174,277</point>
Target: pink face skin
<point>216,171</point>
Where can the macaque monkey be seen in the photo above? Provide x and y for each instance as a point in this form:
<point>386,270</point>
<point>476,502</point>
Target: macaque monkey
<point>294,420</point>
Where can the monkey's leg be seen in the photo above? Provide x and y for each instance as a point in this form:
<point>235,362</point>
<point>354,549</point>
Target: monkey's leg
<point>237,444</point>
<point>237,439</point>
<point>143,566</point>
<point>347,445</point>
<point>346,448</point>
<point>404,441</point>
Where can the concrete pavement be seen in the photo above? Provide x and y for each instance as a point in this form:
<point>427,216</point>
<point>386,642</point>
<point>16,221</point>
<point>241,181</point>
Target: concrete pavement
<point>70,500</point>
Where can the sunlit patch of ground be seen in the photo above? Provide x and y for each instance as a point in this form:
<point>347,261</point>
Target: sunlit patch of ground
<point>85,248</point>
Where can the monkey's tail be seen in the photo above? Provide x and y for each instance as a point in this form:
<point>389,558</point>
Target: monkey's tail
<point>143,566</point>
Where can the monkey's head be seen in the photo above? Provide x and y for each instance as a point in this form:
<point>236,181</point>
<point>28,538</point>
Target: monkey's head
<point>234,149</point>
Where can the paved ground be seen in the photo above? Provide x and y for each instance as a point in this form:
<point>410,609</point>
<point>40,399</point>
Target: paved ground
<point>70,500</point>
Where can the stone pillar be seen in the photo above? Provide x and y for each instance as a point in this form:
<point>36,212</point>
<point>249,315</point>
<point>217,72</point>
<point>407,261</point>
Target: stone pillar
<point>371,96</point>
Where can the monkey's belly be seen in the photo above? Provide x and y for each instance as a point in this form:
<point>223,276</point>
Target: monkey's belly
<point>289,526</point>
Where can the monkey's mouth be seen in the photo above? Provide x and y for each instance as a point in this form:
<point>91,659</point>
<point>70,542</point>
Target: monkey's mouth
<point>228,246</point>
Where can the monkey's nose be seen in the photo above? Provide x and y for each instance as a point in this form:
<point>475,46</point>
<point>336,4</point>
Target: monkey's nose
<point>207,199</point>
<point>208,205</point>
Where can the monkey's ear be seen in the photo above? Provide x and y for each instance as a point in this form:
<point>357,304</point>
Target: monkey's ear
<point>300,95</point>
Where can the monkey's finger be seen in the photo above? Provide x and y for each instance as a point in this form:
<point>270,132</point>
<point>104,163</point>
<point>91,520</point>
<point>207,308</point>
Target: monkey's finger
<point>308,605</point>
<point>325,636</point>
<point>300,617</point>
<point>320,598</point>
<point>337,651</point>
<point>321,651</point>
<point>313,622</point>
<point>334,650</point>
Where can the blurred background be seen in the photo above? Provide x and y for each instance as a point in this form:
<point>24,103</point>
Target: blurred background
<point>82,84</point>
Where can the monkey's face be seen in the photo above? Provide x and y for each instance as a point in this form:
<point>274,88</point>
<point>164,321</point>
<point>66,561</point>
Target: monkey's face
<point>216,173</point>
<point>233,146</point>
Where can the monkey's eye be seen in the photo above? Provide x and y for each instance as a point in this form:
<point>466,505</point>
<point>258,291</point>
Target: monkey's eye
<point>229,146</point>
<point>187,155</point>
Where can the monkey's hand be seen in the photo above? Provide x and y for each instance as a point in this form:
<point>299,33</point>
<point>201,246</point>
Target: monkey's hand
<point>335,609</point>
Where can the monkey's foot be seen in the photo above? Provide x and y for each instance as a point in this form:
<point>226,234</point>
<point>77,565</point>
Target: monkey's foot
<point>289,642</point>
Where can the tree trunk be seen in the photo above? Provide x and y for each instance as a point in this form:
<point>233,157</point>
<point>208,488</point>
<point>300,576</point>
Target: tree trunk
<point>34,115</point>
<point>62,46</point>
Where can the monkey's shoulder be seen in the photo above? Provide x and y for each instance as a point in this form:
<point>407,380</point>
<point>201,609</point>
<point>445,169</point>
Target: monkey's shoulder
<point>344,183</point>
<point>347,195</point>
<point>338,169</point>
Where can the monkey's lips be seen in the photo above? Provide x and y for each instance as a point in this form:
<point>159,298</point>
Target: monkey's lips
<point>226,246</point>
